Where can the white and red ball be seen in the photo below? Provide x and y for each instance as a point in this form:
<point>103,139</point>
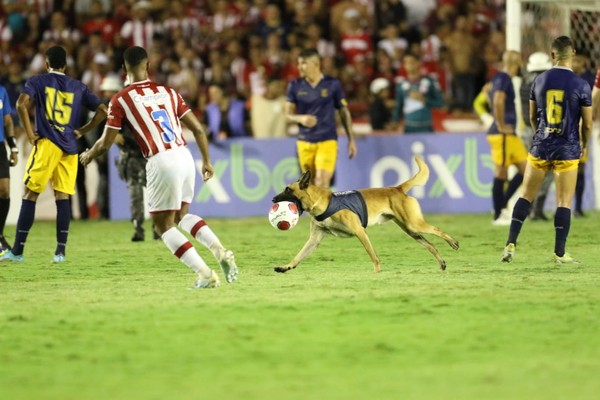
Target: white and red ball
<point>283,215</point>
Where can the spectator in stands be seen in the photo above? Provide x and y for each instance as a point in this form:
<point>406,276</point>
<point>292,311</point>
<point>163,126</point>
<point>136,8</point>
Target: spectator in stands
<point>99,70</point>
<point>60,33</point>
<point>392,44</point>
<point>355,42</point>
<point>537,63</point>
<point>140,30</point>
<point>380,106</point>
<point>581,67</point>
<point>416,96</point>
<point>266,111</point>
<point>224,117</point>
<point>463,60</point>
<point>273,23</point>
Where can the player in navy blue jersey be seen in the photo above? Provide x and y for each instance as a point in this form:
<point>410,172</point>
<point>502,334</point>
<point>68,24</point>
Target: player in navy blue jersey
<point>312,102</point>
<point>58,100</point>
<point>506,147</point>
<point>559,99</point>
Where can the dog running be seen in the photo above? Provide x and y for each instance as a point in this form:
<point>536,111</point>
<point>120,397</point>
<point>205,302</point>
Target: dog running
<point>347,214</point>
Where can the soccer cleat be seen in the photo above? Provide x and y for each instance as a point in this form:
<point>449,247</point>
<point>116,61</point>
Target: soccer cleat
<point>207,283</point>
<point>8,256</point>
<point>228,266</point>
<point>565,259</point>
<point>509,252</point>
<point>58,258</point>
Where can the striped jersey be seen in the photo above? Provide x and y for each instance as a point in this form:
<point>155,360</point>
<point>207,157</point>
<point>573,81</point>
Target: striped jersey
<point>153,112</point>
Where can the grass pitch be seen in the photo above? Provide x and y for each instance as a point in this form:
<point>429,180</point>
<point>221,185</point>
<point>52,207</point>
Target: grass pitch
<point>116,321</point>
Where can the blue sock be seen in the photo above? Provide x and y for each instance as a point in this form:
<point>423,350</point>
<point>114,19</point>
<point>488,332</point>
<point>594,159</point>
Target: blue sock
<point>24,224</point>
<point>562,224</point>
<point>63,220</point>
<point>513,185</point>
<point>520,212</point>
<point>498,196</point>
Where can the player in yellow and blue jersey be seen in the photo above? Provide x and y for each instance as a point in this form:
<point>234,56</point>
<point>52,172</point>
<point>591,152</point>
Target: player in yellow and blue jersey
<point>312,101</point>
<point>58,100</point>
<point>558,100</point>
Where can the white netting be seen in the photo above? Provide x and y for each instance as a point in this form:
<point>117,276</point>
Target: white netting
<point>542,21</point>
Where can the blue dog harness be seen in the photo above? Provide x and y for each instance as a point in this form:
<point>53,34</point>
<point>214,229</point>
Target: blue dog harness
<point>349,200</point>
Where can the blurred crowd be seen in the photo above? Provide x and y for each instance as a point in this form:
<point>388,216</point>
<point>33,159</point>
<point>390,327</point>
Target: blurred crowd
<point>249,48</point>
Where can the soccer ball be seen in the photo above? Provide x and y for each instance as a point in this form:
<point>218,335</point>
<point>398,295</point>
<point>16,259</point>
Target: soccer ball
<point>283,215</point>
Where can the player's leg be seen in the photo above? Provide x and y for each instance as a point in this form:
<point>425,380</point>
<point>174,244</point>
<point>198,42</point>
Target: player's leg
<point>199,229</point>
<point>498,153</point>
<point>64,181</point>
<point>325,160</point>
<point>565,175</point>
<point>517,156</point>
<point>306,157</point>
<point>166,173</point>
<point>535,171</point>
<point>4,195</point>
<point>43,159</point>
<point>579,188</point>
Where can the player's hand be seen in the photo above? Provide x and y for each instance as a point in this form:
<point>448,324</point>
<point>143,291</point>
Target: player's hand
<point>308,120</point>
<point>207,171</point>
<point>507,129</point>
<point>85,158</point>
<point>32,138</point>
<point>352,150</point>
<point>120,139</point>
<point>77,133</point>
<point>14,159</point>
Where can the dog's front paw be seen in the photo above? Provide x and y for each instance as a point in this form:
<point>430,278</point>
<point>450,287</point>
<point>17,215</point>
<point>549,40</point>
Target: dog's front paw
<point>443,265</point>
<point>454,245</point>
<point>282,269</point>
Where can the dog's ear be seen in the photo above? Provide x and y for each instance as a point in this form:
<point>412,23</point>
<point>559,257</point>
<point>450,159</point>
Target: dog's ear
<point>304,180</point>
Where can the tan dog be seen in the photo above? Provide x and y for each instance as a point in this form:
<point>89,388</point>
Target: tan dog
<point>382,205</point>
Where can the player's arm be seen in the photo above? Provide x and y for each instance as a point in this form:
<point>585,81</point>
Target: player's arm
<point>533,115</point>
<point>586,124</point>
<point>9,132</point>
<point>23,111</point>
<point>99,116</point>
<point>346,119</point>
<point>192,123</point>
<point>498,110</point>
<point>303,119</point>
<point>100,147</point>
<point>595,101</point>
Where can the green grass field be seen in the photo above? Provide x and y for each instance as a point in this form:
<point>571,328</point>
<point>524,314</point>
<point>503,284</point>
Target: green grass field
<point>117,321</point>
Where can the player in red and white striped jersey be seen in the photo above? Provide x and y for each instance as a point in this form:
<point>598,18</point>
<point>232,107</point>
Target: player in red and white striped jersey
<point>154,113</point>
<point>596,96</point>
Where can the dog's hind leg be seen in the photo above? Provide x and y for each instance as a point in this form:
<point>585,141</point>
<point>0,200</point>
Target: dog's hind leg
<point>415,222</point>
<point>316,235</point>
<point>426,243</point>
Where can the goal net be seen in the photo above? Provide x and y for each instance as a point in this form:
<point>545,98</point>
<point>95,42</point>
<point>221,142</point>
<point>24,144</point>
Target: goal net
<point>542,21</point>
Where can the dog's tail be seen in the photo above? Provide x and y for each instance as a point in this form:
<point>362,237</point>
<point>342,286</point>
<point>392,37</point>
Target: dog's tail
<point>420,177</point>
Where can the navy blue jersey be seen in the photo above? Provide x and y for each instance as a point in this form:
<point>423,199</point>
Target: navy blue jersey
<point>503,82</point>
<point>58,100</point>
<point>321,101</point>
<point>559,95</point>
<point>5,109</point>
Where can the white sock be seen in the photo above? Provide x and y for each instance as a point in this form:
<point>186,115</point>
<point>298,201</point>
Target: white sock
<point>197,227</point>
<point>183,249</point>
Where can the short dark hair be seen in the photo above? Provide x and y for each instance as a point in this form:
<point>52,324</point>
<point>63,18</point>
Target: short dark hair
<point>134,55</point>
<point>307,53</point>
<point>563,46</point>
<point>57,57</point>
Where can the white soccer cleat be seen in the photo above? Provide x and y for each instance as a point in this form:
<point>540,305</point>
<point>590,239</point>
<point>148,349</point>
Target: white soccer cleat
<point>207,283</point>
<point>228,266</point>
<point>508,253</point>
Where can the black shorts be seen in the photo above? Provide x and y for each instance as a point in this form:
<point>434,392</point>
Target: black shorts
<point>4,162</point>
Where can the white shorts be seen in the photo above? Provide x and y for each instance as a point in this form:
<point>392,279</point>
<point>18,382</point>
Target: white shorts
<point>170,178</point>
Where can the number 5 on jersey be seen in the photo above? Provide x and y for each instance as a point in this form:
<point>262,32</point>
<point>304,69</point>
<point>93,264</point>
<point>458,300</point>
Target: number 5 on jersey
<point>58,107</point>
